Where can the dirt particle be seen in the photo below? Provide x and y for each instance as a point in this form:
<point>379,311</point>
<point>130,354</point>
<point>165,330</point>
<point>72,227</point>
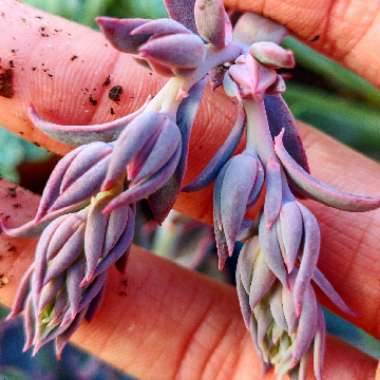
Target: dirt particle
<point>315,38</point>
<point>74,57</point>
<point>12,192</point>
<point>34,68</point>
<point>107,81</point>
<point>13,51</point>
<point>115,93</point>
<point>50,75</point>
<point>4,280</point>
<point>112,111</point>
<point>16,205</point>
<point>93,101</point>
<point>6,83</point>
<point>11,64</point>
<point>11,248</point>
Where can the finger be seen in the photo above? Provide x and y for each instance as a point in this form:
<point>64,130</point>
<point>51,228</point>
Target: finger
<point>350,260</point>
<point>163,322</point>
<point>349,32</point>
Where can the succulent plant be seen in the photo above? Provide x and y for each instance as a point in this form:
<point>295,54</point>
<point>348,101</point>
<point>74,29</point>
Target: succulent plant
<point>87,210</point>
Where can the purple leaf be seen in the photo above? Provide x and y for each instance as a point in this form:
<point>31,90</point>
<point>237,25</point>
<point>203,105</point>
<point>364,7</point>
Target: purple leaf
<point>237,185</point>
<point>182,11</point>
<point>21,294</point>
<point>319,346</point>
<point>117,223</point>
<point>83,134</point>
<point>74,277</point>
<point>273,196</point>
<point>162,201</point>
<point>28,324</point>
<point>137,192</point>
<point>289,307</point>
<point>49,292</point>
<point>118,32</point>
<point>275,305</point>
<point>307,326</point>
<point>209,173</point>
<point>327,288</point>
<point>84,161</point>
<point>279,118</point>
<point>310,255</point>
<point>175,52</point>
<point>247,256</point>
<point>258,186</point>
<point>66,256</point>
<point>120,248</point>
<point>271,251</point>
<point>83,188</point>
<point>212,22</point>
<point>160,27</point>
<point>243,299</point>
<point>262,281</point>
<point>291,231</point>
<point>320,191</point>
<point>130,142</point>
<point>94,236</point>
<point>167,143</point>
<point>220,239</point>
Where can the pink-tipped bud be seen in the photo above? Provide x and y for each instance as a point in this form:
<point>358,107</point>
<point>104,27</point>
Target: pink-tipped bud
<point>272,55</point>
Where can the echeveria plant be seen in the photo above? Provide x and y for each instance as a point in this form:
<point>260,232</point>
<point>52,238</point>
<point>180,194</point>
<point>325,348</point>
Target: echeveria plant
<point>88,208</point>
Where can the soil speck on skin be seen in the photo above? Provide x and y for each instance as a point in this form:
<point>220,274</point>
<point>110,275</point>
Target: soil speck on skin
<point>107,81</point>
<point>93,101</point>
<point>73,58</point>
<point>115,93</point>
<point>12,192</point>
<point>11,248</point>
<point>34,68</point>
<point>4,280</point>
<point>6,83</point>
<point>11,64</point>
<point>17,205</point>
<point>315,38</point>
<point>112,111</point>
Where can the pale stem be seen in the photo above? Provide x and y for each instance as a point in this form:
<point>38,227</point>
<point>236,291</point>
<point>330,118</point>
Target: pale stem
<point>258,133</point>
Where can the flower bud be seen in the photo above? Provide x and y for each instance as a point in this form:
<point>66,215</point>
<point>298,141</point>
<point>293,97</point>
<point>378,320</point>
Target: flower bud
<point>213,24</point>
<point>272,55</point>
<point>252,78</point>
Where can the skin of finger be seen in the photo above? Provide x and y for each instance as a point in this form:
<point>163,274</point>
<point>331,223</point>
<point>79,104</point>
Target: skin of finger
<point>350,243</point>
<point>347,31</point>
<point>160,321</point>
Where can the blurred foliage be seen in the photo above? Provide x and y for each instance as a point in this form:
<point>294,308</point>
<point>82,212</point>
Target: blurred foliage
<point>321,92</point>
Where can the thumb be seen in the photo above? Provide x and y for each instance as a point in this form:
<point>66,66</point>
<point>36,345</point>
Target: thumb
<point>347,31</point>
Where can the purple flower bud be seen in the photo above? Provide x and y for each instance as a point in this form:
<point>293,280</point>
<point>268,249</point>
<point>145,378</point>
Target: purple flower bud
<point>177,52</point>
<point>319,346</point>
<point>212,22</point>
<point>272,55</point>
<point>252,78</point>
<point>238,179</point>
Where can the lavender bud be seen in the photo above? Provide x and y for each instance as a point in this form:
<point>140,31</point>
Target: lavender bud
<point>212,22</point>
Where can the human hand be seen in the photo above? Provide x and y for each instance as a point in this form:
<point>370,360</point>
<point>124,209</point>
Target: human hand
<point>177,323</point>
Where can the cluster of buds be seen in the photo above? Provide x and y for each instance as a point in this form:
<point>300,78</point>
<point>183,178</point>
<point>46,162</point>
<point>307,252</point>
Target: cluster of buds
<point>88,208</point>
